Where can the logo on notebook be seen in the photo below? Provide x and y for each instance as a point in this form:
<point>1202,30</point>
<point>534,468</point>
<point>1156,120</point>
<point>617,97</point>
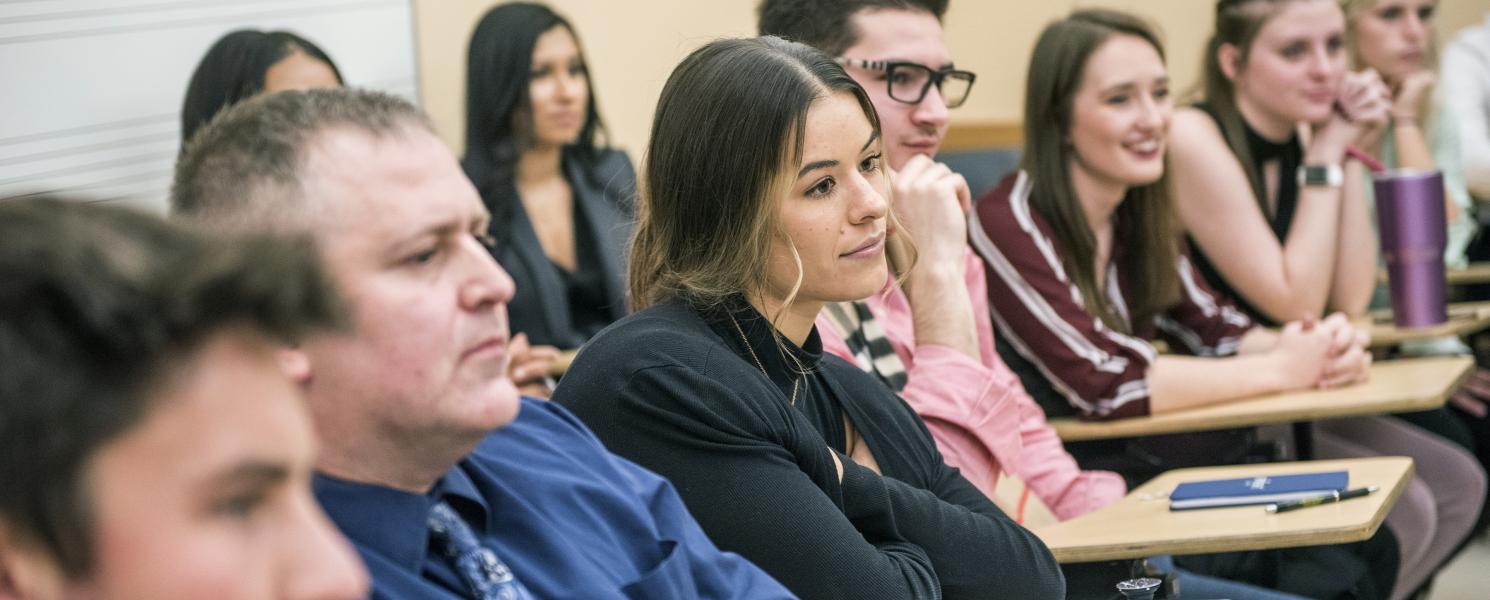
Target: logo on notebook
<point>1257,483</point>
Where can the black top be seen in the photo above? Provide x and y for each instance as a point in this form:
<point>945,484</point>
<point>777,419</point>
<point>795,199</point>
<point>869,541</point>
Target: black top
<point>1289,154</point>
<point>678,391</point>
<point>585,286</point>
<point>553,306</point>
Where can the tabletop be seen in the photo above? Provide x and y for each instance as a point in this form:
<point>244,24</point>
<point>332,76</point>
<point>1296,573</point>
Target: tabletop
<point>1141,524</point>
<point>1465,318</point>
<point>1403,385</point>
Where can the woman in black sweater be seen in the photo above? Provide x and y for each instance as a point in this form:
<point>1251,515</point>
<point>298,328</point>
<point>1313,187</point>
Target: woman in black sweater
<point>766,198</point>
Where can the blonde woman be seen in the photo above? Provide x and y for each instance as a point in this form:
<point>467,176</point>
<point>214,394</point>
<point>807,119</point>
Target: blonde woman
<point>1397,39</point>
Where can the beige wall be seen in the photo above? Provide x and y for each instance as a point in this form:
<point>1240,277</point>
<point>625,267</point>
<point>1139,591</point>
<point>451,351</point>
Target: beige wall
<point>1454,15</point>
<point>634,44</point>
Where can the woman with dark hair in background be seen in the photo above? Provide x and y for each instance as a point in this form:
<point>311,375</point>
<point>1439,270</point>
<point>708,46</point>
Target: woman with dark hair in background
<point>560,204</point>
<point>765,199</point>
<point>246,62</point>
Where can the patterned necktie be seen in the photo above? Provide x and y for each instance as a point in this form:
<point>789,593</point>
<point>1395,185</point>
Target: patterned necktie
<point>485,575</point>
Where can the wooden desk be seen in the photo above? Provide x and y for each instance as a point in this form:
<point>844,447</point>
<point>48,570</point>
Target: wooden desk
<point>1405,385</point>
<point>1473,273</point>
<point>566,357</point>
<point>1478,272</point>
<point>1465,318</point>
<point>1141,524</point>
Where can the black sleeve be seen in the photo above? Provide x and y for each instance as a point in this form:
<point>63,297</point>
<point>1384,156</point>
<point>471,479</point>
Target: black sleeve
<point>763,484</point>
<point>1017,560</point>
<point>974,547</point>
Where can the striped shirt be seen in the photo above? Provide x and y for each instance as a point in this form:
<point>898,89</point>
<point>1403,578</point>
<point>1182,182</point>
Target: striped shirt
<point>1067,357</point>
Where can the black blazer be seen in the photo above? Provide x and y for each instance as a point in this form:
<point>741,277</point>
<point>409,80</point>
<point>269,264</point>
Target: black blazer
<point>604,190</point>
<point>679,393</point>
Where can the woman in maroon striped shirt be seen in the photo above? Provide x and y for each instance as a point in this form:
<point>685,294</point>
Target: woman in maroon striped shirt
<point>1085,268</point>
<point>1084,261</point>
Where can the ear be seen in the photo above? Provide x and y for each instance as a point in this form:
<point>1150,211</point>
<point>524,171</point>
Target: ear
<point>25,574</point>
<point>295,364</point>
<point>1229,57</point>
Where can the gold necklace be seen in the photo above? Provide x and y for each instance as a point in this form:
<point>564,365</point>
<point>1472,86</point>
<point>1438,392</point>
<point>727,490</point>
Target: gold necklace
<point>757,359</point>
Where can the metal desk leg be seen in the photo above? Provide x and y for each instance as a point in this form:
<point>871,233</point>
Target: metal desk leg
<point>1303,440</point>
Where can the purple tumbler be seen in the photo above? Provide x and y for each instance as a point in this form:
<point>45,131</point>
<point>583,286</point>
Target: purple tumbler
<point>1410,218</point>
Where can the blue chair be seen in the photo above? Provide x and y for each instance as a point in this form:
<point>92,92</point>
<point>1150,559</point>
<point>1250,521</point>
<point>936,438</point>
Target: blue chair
<point>983,168</point>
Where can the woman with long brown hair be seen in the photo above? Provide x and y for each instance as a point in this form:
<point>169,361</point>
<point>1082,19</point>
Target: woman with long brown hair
<point>1085,270</point>
<point>764,198</point>
<point>1084,256</point>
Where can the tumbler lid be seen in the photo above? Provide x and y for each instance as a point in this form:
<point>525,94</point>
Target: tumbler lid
<point>1405,173</point>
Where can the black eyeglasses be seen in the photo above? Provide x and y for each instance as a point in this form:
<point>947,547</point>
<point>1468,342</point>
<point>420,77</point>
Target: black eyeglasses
<point>908,81</point>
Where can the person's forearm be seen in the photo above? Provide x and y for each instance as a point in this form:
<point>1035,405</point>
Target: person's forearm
<point>970,408</point>
<point>1309,256</point>
<point>1257,340</point>
<point>941,310</point>
<point>1310,248</point>
<point>955,537</point>
<point>1053,475</point>
<point>1412,146</point>
<point>1356,259</point>
<point>1181,382</point>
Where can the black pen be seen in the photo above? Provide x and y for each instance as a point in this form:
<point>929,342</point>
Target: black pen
<point>1318,500</point>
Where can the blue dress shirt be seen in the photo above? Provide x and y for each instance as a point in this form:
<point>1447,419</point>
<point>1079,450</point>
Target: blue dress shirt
<point>568,517</point>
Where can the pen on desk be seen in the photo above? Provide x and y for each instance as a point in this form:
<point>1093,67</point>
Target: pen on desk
<point>1318,500</point>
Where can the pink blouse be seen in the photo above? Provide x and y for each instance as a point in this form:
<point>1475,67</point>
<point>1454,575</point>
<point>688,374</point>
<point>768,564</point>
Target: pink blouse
<point>977,410</point>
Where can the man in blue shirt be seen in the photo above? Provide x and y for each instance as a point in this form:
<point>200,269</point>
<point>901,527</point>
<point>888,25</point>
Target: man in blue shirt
<point>448,483</point>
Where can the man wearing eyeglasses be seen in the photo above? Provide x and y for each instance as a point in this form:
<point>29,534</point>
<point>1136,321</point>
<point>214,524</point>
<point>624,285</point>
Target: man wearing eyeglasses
<point>894,49</point>
<point>931,339</point>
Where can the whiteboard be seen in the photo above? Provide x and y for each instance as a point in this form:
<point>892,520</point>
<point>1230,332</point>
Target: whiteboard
<point>91,90</point>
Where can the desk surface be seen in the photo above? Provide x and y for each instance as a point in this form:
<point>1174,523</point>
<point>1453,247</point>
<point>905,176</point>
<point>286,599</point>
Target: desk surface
<point>566,357</point>
<point>1404,385</point>
<point>1478,272</point>
<point>1141,524</point>
<point>1472,273</point>
<point>1465,318</point>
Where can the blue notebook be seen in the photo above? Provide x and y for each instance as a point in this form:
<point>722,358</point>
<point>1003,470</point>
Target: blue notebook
<point>1256,490</point>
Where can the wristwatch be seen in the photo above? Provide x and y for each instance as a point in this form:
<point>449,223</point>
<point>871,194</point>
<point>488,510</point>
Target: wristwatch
<point>1321,176</point>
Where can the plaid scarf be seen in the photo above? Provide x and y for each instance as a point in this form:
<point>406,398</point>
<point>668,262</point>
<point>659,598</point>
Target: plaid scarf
<point>872,350</point>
